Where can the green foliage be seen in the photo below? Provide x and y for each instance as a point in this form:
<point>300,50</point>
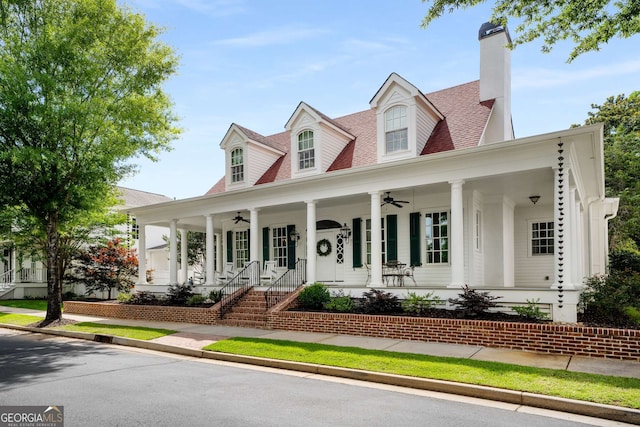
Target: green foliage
<point>633,313</point>
<point>196,300</point>
<point>605,299</point>
<point>419,304</point>
<point>340,303</point>
<point>195,246</point>
<point>81,96</point>
<point>105,268</point>
<point>179,293</point>
<point>472,303</point>
<point>314,296</point>
<point>216,295</point>
<point>531,310</point>
<point>125,298</point>
<point>623,259</point>
<point>375,301</point>
<point>145,298</point>
<point>588,24</point>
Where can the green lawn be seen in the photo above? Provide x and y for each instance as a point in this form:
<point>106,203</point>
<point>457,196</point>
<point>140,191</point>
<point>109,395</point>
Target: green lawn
<point>19,319</point>
<point>137,332</point>
<point>571,385</point>
<point>32,304</point>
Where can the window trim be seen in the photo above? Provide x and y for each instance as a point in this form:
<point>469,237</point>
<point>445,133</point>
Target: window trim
<point>311,150</point>
<point>232,166</point>
<point>530,238</point>
<point>404,145</point>
<point>237,250</point>
<point>425,252</point>
<point>284,240</point>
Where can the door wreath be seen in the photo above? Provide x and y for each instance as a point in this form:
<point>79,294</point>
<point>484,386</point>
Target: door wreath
<point>323,248</point>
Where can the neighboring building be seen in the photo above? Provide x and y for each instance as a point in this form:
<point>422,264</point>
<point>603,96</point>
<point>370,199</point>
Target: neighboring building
<point>26,276</point>
<point>435,181</point>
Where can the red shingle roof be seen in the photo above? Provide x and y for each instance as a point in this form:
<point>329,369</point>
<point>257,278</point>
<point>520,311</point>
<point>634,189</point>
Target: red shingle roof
<point>462,127</point>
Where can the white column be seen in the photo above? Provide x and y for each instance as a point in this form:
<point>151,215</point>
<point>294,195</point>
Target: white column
<point>173,252</point>
<point>376,240</point>
<point>311,241</point>
<point>184,256</point>
<point>574,252</point>
<point>142,255</point>
<point>563,246</point>
<point>456,235</point>
<point>210,262</point>
<point>218,252</point>
<point>508,243</point>
<point>254,244</point>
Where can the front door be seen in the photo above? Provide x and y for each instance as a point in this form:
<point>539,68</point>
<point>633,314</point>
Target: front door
<point>329,256</point>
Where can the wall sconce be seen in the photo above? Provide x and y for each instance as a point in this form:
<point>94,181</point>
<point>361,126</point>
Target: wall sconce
<point>534,199</point>
<point>345,232</point>
<point>294,236</point>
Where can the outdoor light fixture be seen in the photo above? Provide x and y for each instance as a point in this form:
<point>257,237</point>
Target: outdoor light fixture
<point>345,232</point>
<point>534,199</point>
<point>294,235</point>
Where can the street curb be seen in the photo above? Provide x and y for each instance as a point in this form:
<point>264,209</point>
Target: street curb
<point>608,412</point>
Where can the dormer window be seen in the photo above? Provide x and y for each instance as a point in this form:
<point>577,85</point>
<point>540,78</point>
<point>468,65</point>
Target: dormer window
<point>306,151</point>
<point>395,120</point>
<point>237,165</point>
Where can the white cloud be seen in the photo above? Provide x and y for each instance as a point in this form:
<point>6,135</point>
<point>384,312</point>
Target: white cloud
<point>276,36</point>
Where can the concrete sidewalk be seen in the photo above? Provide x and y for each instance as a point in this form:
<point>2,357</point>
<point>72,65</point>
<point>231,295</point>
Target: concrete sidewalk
<point>195,337</point>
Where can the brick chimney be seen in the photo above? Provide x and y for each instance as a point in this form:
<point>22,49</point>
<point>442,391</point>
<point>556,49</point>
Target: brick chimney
<point>495,80</point>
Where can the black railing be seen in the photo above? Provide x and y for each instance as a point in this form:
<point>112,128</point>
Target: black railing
<point>287,283</point>
<point>238,286</point>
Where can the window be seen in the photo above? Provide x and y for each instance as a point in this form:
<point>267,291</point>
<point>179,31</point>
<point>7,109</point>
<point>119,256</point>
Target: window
<point>368,236</point>
<point>279,245</point>
<point>542,238</point>
<point>306,152</point>
<point>237,165</point>
<point>395,126</point>
<point>437,237</point>
<point>242,248</point>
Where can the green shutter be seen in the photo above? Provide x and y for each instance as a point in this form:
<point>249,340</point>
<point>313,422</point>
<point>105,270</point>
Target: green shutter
<point>357,242</point>
<point>414,238</point>
<point>229,246</point>
<point>265,244</point>
<point>291,248</point>
<point>392,237</point>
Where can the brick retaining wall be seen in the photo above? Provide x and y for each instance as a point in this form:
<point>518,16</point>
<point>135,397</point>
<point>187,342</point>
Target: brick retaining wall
<point>155,313</point>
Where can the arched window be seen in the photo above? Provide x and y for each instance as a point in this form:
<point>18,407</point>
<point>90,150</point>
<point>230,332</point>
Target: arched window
<point>237,165</point>
<point>395,126</point>
<point>306,151</point>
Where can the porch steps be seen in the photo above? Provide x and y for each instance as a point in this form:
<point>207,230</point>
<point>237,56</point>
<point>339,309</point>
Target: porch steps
<point>249,312</point>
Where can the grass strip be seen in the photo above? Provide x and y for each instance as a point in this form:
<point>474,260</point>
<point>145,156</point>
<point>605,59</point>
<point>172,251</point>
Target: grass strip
<point>19,319</point>
<point>136,332</point>
<point>31,304</point>
<point>609,390</point>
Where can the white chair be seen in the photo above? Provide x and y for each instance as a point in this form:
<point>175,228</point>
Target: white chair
<point>368,273</point>
<point>408,272</point>
<point>269,272</point>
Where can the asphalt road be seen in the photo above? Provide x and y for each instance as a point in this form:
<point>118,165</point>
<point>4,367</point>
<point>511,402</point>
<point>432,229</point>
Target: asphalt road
<point>104,385</point>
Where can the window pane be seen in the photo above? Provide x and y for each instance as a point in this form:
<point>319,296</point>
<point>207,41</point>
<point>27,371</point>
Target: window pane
<point>437,243</point>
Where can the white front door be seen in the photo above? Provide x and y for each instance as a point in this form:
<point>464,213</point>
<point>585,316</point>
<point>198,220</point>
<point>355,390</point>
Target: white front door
<point>329,256</point>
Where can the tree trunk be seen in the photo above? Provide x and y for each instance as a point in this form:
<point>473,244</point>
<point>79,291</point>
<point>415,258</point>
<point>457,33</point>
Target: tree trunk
<point>54,285</point>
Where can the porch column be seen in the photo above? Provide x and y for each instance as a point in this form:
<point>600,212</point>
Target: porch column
<point>573,235</point>
<point>254,243</point>
<point>209,261</point>
<point>508,243</point>
<point>456,235</point>
<point>173,252</point>
<point>311,241</point>
<point>376,240</point>
<point>218,256</point>
<point>184,255</point>
<point>563,239</point>
<point>142,255</point>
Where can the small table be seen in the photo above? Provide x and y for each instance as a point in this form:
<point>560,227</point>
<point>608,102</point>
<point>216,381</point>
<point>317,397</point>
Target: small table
<point>394,271</point>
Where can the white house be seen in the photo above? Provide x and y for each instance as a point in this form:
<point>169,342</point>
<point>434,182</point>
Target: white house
<point>435,181</point>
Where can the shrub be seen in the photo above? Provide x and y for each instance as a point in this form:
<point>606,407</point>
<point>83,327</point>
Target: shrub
<point>340,303</point>
<point>375,301</point>
<point>179,293</point>
<point>216,295</point>
<point>606,298</point>
<point>196,300</point>
<point>471,303</point>
<point>531,310</point>
<point>144,298</point>
<point>633,314</point>
<point>314,296</point>
<point>125,298</point>
<point>625,258</point>
<point>69,295</point>
<point>419,304</point>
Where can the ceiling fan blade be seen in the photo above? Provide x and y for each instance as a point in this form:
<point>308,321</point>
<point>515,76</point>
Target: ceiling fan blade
<point>245,220</point>
<point>402,201</point>
<point>396,204</point>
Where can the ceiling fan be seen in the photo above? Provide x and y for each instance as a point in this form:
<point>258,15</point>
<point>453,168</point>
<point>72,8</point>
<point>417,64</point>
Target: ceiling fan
<point>239,218</point>
<point>391,201</point>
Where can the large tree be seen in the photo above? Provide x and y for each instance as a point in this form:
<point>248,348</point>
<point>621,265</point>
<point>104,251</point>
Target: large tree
<point>588,24</point>
<point>621,118</point>
<point>80,97</point>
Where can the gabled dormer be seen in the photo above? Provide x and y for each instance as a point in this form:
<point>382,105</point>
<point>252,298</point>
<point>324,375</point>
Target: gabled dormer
<point>248,155</point>
<point>405,119</point>
<point>315,141</point>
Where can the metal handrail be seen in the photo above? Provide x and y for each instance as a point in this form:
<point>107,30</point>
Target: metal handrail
<point>287,283</point>
<point>238,286</point>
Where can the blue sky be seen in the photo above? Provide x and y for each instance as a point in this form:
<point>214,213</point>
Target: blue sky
<point>251,62</point>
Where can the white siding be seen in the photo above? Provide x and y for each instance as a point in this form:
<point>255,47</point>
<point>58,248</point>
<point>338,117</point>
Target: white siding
<point>257,161</point>
<point>331,144</point>
<point>425,123</point>
<point>531,270</point>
